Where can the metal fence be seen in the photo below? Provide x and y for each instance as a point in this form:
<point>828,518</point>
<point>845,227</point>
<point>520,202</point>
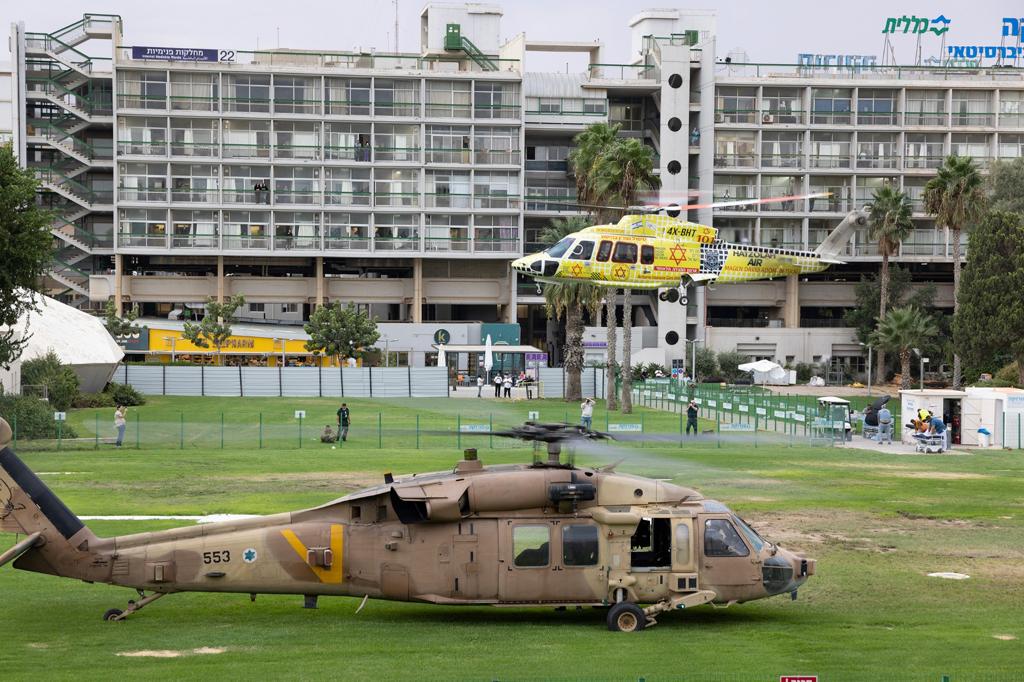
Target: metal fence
<point>292,382</point>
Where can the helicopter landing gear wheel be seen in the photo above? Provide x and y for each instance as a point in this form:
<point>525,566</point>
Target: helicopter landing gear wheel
<point>683,301</point>
<point>112,614</point>
<point>626,617</point>
<point>682,292</point>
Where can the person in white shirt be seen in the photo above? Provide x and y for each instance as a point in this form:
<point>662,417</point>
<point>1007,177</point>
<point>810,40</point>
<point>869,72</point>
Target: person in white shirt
<point>507,383</point>
<point>479,385</point>
<point>120,423</point>
<point>587,413</point>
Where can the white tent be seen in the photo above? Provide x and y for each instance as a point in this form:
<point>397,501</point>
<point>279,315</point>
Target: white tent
<point>765,372</point>
<point>79,340</point>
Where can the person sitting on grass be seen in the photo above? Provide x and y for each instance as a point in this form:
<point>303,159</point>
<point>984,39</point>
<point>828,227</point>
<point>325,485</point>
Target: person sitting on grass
<point>328,435</point>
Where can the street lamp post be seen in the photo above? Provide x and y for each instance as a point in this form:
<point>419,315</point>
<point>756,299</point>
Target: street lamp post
<point>923,360</point>
<point>868,346</point>
<point>174,341</point>
<point>693,361</point>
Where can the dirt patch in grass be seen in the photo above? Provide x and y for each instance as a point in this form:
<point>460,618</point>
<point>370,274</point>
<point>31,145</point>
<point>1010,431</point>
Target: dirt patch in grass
<point>171,653</point>
<point>1005,638</point>
<point>940,475</point>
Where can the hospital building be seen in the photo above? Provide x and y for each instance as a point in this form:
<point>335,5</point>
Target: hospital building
<point>407,183</point>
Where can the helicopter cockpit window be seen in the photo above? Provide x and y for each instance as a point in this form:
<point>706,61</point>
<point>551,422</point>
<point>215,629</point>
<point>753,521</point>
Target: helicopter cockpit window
<point>604,252</point>
<point>651,544</point>
<point>647,255</point>
<point>721,539</point>
<point>624,253</point>
<point>753,538</point>
<point>583,250</point>
<point>559,249</point>
<point>530,545</point>
<point>579,545</point>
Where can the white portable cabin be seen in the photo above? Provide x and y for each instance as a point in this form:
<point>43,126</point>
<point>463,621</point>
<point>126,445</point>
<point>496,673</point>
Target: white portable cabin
<point>999,410</point>
<point>940,401</point>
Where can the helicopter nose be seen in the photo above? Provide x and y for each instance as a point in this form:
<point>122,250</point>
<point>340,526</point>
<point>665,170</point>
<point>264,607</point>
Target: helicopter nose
<point>786,572</point>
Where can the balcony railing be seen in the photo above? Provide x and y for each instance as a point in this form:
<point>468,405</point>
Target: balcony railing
<point>484,245</point>
<point>348,153</point>
<point>247,104</point>
<point>837,203</point>
<point>925,118</point>
<point>195,148</point>
<point>205,196</point>
<point>244,241</point>
<point>245,196</point>
<point>128,147</point>
<point>460,155</point>
<point>297,196</point>
<point>914,162</point>
<point>142,194</point>
<point>348,198</point>
<point>296,106</point>
<point>144,239</point>
<point>233,150</point>
<point>830,161</point>
<point>446,244</point>
<point>448,200</point>
<point>301,242</point>
<point>782,160</point>
<point>408,154</point>
<point>621,72</point>
<point>297,151</point>
<point>397,199</point>
<point>193,102</point>
<point>194,241</point>
<point>974,119</point>
<point>865,161</point>
<point>396,243</point>
<point>737,116</point>
<point>878,118</point>
<point>336,241</point>
<point>348,107</point>
<point>497,156</point>
<point>739,160</point>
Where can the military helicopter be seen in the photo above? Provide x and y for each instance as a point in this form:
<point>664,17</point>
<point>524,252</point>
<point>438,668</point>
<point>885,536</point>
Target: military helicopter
<point>547,533</point>
<point>656,249</point>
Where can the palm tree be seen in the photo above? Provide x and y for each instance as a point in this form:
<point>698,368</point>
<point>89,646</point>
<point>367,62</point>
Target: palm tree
<point>955,197</point>
<point>591,145</point>
<point>889,224</point>
<point>621,173</point>
<point>567,301</point>
<point>901,330</point>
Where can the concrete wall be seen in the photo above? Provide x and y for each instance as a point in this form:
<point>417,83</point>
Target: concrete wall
<point>802,344</point>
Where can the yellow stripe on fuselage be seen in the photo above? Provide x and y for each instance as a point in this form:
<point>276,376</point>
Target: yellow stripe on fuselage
<point>326,575</point>
<point>743,264</point>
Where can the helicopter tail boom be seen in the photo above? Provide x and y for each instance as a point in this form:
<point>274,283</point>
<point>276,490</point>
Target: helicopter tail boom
<point>835,243</point>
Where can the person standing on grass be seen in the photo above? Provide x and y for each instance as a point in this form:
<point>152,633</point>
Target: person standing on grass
<point>497,385</point>
<point>343,422</point>
<point>120,423</point>
<point>884,425</point>
<point>691,417</point>
<point>587,413</point>
<point>479,385</point>
<point>507,383</point>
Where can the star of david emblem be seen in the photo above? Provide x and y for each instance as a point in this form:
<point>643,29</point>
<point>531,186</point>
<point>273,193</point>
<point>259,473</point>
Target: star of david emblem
<point>619,272</point>
<point>677,254</point>
<point>576,269</point>
<point>249,555</point>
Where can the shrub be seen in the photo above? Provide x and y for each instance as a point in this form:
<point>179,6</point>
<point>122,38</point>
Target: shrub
<point>123,394</point>
<point>93,400</point>
<point>60,380</point>
<point>728,361</point>
<point>804,371</point>
<point>32,417</point>
<point>1007,374</point>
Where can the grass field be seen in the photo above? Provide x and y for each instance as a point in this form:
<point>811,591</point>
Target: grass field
<point>876,523</point>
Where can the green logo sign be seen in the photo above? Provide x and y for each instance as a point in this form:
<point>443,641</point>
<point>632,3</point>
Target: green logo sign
<point>442,336</point>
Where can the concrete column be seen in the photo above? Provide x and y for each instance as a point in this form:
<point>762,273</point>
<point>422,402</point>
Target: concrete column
<point>118,284</point>
<point>417,290</point>
<point>791,309</point>
<point>319,281</point>
<point>511,309</point>
<point>220,279</point>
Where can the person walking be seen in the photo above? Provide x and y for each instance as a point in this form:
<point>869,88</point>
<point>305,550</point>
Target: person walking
<point>507,384</point>
<point>343,422</point>
<point>884,425</point>
<point>497,385</point>
<point>479,385</point>
<point>120,423</point>
<point>587,413</point>
<point>691,417</point>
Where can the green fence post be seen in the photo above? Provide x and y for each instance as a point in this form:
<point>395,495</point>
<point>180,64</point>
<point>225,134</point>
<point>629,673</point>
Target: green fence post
<point>756,420</point>
<point>380,433</point>
<point>97,431</point>
<point>641,427</point>
<point>181,431</point>
<point>60,433</point>
<point>718,427</point>
<point>221,430</point>
<point>680,427</point>
<point>261,430</point>
<point>417,431</point>
<point>458,432</point>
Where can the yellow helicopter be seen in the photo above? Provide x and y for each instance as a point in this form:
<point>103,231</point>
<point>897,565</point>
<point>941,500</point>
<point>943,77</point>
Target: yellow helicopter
<point>654,251</point>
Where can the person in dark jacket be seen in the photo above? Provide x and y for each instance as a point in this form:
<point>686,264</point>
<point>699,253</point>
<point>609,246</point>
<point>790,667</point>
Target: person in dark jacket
<point>343,422</point>
<point>691,417</point>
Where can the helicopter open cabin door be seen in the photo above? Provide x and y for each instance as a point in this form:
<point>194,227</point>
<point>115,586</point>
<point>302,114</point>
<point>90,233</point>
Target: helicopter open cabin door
<point>661,552</point>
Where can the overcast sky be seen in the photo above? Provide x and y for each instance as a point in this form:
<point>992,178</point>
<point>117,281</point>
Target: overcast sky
<point>773,31</point>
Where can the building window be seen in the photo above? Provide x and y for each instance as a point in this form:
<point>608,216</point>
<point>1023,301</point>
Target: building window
<point>448,189</point>
<point>975,145</point>
<point>496,190</point>
<point>195,137</point>
<point>256,307</point>
<point>143,182</point>
<point>1011,108</point>
<point>782,105</point>
<point>348,187</point>
<point>295,95</point>
<point>735,105</point>
<point>247,93</point>
<point>142,136</point>
<point>296,140</point>
<point>448,144</point>
<point>495,100</point>
<point>142,90</point>
<point>289,308</point>
<point>398,142</point>
<point>194,183</point>
<point>348,96</point>
<point>876,107</point>
<point>194,229</point>
<point>496,233</point>
<point>972,108</point>
<point>246,139</point>
<point>347,231</point>
<point>448,99</point>
<point>396,187</point>
<point>396,97</point>
<point>877,150</point>
<point>926,108</point>
<point>496,145</point>
<point>781,150</point>
<point>923,150</point>
<point>447,232</point>
<point>831,106</point>
<point>735,149</point>
<point>296,185</point>
<point>194,91</point>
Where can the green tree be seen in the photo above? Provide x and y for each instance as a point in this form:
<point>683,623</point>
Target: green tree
<point>26,247</point>
<point>990,323</point>
<point>590,147</point>
<point>707,364</point>
<point>625,169</point>
<point>215,327</point>
<point>340,331</point>
<point>120,327</point>
<point>568,301</point>
<point>888,224</point>
<point>728,365</point>
<point>1005,185</point>
<point>955,196</point>
<point>901,330</point>
<point>60,380</point>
